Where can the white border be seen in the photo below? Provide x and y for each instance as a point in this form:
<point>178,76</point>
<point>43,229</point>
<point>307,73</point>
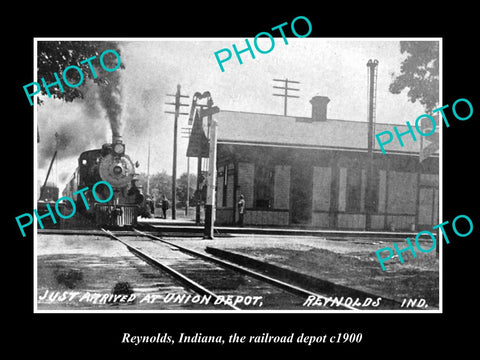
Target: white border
<point>333,311</point>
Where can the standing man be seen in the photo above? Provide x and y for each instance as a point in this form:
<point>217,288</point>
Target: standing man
<point>241,209</point>
<point>135,196</point>
<point>165,206</point>
<point>149,206</point>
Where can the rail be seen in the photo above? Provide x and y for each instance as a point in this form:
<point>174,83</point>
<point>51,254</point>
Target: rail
<point>182,278</point>
<point>281,284</point>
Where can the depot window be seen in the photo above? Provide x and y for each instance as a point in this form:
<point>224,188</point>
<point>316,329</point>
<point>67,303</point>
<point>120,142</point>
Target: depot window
<point>264,185</point>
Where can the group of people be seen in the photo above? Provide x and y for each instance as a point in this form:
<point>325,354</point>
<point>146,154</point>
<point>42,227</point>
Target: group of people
<point>146,204</point>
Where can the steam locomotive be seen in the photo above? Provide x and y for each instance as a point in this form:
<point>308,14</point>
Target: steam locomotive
<point>110,164</point>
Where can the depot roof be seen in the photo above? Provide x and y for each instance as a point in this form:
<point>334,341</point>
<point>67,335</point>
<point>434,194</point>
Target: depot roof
<point>236,127</point>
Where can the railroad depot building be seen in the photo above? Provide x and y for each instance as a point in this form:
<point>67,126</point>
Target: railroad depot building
<point>312,172</point>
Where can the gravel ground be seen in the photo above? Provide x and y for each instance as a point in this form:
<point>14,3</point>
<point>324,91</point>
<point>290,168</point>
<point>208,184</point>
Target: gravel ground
<point>351,262</point>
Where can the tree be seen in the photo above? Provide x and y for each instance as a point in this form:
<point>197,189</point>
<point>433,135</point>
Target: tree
<point>160,184</point>
<point>56,56</point>
<point>419,73</point>
<point>182,188</point>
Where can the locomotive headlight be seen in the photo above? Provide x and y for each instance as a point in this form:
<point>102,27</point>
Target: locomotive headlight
<point>119,149</point>
<point>117,169</point>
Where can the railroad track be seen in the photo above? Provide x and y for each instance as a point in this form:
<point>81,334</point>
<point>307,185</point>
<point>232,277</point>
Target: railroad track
<point>221,282</point>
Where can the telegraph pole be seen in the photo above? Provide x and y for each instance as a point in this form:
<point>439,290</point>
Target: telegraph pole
<point>148,168</point>
<point>199,195</point>
<point>212,170</point>
<point>177,112</point>
<point>212,178</point>
<point>285,95</point>
<point>186,131</point>
<point>187,200</point>
<point>147,101</point>
<point>372,97</point>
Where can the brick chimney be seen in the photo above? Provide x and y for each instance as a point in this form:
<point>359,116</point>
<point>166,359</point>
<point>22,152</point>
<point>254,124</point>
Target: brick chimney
<point>319,108</point>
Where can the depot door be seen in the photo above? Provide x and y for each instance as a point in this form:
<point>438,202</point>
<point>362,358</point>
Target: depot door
<point>427,208</point>
<point>301,194</point>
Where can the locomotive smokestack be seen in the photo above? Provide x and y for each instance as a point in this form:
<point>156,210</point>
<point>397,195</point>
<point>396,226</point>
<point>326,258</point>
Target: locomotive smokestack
<point>112,97</point>
<point>117,139</point>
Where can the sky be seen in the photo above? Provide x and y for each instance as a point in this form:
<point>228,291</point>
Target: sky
<point>154,67</point>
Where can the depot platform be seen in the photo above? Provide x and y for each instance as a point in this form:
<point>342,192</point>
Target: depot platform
<point>187,226</point>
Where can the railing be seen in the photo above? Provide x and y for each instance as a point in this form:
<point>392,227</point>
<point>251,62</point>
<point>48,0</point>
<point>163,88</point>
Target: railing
<point>115,215</point>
